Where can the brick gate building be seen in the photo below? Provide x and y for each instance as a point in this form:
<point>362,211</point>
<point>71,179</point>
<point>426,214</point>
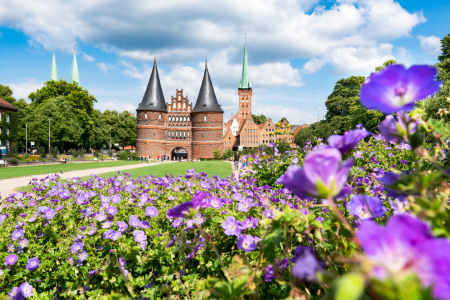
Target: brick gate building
<point>175,129</point>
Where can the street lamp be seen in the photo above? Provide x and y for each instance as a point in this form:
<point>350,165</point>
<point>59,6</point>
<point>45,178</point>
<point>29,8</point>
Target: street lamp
<point>26,138</point>
<point>317,114</point>
<point>49,146</point>
<point>109,138</point>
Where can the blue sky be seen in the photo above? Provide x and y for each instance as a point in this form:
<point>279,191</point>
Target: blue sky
<point>297,49</point>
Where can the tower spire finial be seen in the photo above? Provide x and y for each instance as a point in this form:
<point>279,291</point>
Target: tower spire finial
<point>155,60</point>
<point>206,62</point>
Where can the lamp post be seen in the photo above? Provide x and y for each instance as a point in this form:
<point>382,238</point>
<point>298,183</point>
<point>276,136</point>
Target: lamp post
<point>26,138</point>
<point>109,138</point>
<point>49,146</point>
<point>318,120</point>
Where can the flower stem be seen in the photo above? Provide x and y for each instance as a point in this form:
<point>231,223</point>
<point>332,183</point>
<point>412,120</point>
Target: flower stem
<point>341,217</point>
<point>215,250</point>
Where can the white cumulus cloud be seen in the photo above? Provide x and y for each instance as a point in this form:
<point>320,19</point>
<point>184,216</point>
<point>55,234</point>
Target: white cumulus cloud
<point>104,67</point>
<point>87,57</point>
<point>430,44</point>
<point>23,89</point>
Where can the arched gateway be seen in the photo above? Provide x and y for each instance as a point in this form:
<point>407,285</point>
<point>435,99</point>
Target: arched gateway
<point>163,127</point>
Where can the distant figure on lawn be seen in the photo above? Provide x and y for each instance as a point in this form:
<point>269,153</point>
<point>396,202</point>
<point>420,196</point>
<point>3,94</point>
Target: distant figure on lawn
<point>236,161</point>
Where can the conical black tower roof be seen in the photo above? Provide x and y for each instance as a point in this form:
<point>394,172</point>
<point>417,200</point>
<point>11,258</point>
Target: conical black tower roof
<point>207,101</point>
<point>153,97</point>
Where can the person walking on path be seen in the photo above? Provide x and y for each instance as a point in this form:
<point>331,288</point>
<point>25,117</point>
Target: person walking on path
<point>236,161</point>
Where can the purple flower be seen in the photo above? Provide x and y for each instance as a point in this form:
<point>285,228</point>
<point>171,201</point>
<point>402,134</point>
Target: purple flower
<point>111,210</point>
<point>116,199</point>
<point>33,264</point>
<point>268,213</point>
<point>231,226</point>
<point>246,242</point>
<point>122,226</point>
<point>396,88</point>
<point>26,289</point>
<point>93,272</point>
<point>250,222</point>
<point>405,246</point>
<point>178,222</point>
<point>49,213</point>
<point>15,294</point>
<point>366,207</point>
<point>83,255</point>
<point>144,225</point>
<point>245,204</point>
<point>151,212</point>
<point>345,143</point>
<point>17,234</point>
<point>320,177</point>
<point>134,221</point>
<point>76,247</point>
<point>306,266</point>
<point>183,209</point>
<point>11,259</point>
<point>269,274</point>
<point>374,160</point>
<point>398,129</point>
<point>216,202</point>
<point>139,236</point>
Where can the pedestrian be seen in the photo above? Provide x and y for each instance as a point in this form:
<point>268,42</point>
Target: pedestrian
<point>236,161</point>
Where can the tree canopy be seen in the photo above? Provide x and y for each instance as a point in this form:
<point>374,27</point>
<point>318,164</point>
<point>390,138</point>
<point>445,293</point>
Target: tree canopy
<point>259,119</point>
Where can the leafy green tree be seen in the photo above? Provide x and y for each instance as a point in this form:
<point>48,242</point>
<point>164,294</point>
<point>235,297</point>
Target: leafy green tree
<point>283,119</point>
<point>6,94</point>
<point>345,94</point>
<point>259,119</point>
<point>101,131</point>
<point>79,99</point>
<point>385,64</point>
<point>64,127</point>
<point>445,48</point>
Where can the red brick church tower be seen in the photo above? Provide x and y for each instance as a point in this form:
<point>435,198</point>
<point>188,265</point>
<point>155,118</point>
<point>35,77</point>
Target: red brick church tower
<point>245,89</point>
<point>175,129</point>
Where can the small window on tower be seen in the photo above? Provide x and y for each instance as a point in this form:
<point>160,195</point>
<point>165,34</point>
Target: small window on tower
<point>204,105</point>
<point>160,116</point>
<point>151,104</point>
<point>145,116</point>
<point>204,118</point>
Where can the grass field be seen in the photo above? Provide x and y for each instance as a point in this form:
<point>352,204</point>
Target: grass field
<point>13,172</point>
<point>223,169</point>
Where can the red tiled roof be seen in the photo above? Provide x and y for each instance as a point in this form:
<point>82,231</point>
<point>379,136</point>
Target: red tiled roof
<point>6,104</point>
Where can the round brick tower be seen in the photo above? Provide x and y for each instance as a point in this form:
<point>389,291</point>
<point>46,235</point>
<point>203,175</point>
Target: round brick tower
<point>151,119</point>
<point>207,121</point>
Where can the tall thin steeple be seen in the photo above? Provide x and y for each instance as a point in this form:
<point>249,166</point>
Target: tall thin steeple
<point>245,80</point>
<point>74,76</point>
<point>54,70</point>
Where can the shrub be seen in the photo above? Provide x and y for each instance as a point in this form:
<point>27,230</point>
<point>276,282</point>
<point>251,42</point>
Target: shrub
<point>81,152</point>
<point>55,152</point>
<point>228,153</point>
<point>123,155</point>
<point>110,153</point>
<point>217,154</point>
<point>41,151</point>
<point>96,153</point>
<point>74,153</point>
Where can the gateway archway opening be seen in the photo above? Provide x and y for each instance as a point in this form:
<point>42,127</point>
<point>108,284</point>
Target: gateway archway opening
<point>179,154</point>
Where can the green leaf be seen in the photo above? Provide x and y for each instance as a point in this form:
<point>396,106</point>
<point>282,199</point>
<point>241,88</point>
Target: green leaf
<point>349,287</point>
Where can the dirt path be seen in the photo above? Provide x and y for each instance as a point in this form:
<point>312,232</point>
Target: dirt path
<point>8,186</point>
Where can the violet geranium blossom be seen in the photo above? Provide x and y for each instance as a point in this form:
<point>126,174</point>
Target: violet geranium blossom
<point>404,247</point>
<point>320,177</point>
<point>396,129</point>
<point>231,227</point>
<point>345,143</point>
<point>366,207</point>
<point>246,242</point>
<point>397,88</point>
<point>182,210</point>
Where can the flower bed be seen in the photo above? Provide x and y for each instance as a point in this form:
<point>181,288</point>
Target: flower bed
<point>358,217</point>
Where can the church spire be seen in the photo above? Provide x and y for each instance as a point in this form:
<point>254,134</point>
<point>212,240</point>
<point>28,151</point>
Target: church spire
<point>54,70</point>
<point>245,80</point>
<point>207,101</point>
<point>74,76</point>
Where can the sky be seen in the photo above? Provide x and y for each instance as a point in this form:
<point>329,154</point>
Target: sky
<point>297,50</point>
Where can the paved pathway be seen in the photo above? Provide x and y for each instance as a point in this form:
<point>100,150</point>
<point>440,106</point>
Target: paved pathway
<point>235,172</point>
<point>7,186</point>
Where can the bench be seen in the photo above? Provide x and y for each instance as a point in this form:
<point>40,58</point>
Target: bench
<point>3,163</point>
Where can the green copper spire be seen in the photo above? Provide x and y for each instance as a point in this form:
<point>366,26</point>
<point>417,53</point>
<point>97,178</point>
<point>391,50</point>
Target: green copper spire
<point>245,80</point>
<point>54,70</point>
<point>74,76</point>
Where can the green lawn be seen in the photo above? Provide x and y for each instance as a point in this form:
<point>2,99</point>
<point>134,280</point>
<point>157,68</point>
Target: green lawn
<point>13,172</point>
<point>223,169</point>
